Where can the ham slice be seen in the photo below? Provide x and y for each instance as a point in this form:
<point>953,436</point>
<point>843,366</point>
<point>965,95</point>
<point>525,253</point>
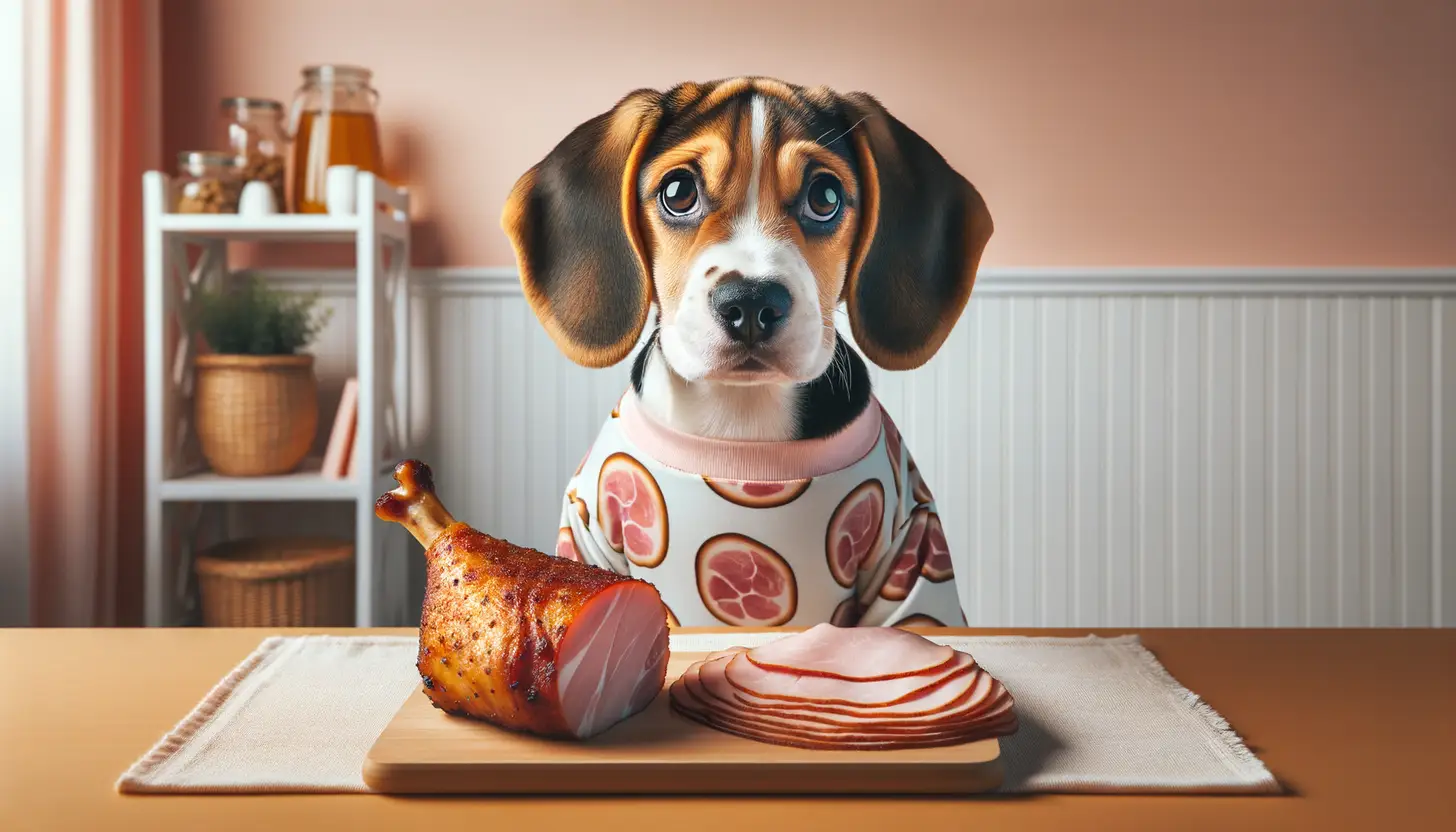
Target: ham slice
<point>832,688</point>
<point>854,654</point>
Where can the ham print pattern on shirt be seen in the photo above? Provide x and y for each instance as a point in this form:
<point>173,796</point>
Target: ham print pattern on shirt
<point>761,534</point>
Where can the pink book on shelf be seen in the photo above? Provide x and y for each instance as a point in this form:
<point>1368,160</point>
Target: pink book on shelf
<point>349,467</point>
<point>337,461</point>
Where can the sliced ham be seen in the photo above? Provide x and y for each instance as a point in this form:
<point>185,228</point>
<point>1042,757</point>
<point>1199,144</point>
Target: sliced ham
<point>705,683</point>
<point>854,654</point>
<point>836,688</point>
<point>826,690</point>
<point>946,704</point>
<point>685,703</point>
<point>971,706</point>
<point>838,744</point>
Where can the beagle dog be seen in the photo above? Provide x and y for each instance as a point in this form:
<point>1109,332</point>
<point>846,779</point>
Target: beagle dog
<point>745,211</point>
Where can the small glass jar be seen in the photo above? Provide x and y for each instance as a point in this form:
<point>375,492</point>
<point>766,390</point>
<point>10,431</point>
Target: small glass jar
<point>208,182</point>
<point>256,136</point>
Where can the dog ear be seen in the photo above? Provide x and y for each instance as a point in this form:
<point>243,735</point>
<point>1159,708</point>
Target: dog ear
<point>572,221</point>
<point>922,230</point>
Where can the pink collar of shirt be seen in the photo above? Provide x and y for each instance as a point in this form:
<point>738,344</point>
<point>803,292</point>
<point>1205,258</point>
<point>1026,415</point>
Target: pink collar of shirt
<point>747,460</point>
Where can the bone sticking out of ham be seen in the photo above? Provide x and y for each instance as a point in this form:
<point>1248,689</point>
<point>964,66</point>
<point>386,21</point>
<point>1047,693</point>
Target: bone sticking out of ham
<point>859,689</point>
<point>523,640</point>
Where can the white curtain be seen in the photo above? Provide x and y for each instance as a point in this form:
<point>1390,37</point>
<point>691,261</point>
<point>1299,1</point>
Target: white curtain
<point>14,437</point>
<point>91,115</point>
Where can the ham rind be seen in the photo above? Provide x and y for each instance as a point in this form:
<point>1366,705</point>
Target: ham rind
<point>859,654</point>
<point>613,659</point>
<point>704,681</point>
<point>825,690</point>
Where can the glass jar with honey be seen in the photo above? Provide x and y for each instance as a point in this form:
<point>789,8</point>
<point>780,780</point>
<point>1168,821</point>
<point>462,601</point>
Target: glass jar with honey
<point>332,123</point>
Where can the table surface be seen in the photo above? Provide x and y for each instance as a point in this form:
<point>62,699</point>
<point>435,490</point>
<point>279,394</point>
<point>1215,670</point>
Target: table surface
<point>1357,724</point>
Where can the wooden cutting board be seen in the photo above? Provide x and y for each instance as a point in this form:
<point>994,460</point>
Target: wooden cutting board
<point>425,751</point>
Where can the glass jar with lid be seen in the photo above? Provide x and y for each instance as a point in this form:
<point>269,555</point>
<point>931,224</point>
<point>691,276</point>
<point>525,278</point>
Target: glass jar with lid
<point>256,136</point>
<point>332,122</point>
<point>208,182</point>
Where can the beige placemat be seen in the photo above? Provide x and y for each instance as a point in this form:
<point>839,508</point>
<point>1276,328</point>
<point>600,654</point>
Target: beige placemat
<point>1097,715</point>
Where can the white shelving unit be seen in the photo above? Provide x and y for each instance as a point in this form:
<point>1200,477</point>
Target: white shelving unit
<point>185,251</point>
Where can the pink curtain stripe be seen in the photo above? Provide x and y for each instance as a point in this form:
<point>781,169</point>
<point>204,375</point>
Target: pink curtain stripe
<point>91,105</point>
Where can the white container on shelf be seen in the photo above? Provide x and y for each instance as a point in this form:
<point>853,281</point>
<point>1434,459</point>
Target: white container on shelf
<point>257,200</point>
<point>339,191</point>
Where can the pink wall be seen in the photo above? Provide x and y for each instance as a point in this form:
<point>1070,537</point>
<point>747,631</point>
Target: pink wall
<point>1102,132</point>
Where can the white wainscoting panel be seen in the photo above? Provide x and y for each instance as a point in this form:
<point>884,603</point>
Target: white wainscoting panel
<point>1175,448</point>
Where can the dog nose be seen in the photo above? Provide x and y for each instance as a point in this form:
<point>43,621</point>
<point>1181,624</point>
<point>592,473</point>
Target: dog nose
<point>751,310</point>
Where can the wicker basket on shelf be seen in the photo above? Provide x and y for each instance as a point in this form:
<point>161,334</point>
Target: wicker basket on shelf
<point>277,582</point>
<point>256,397</point>
<point>256,414</point>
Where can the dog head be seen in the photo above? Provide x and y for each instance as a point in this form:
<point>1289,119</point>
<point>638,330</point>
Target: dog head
<point>747,210</point>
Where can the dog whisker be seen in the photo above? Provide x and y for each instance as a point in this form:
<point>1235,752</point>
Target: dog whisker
<point>838,363</point>
<point>841,135</point>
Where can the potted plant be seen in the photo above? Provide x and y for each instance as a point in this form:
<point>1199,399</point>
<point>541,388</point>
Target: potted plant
<point>256,402</point>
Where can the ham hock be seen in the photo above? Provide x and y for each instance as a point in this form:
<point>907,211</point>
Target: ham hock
<point>521,639</point>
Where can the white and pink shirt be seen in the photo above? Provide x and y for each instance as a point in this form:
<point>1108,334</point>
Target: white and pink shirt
<point>764,534</point>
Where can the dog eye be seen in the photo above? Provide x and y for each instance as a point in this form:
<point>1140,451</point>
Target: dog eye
<point>679,193</point>
<point>822,201</point>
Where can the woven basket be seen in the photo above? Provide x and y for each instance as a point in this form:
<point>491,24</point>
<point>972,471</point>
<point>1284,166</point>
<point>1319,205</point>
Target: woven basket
<point>256,414</point>
<point>277,582</point>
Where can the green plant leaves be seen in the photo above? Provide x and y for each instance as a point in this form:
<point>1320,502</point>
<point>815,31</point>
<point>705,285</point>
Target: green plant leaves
<point>245,317</point>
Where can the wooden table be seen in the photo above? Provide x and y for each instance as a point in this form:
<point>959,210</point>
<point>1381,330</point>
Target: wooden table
<point>1358,724</point>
